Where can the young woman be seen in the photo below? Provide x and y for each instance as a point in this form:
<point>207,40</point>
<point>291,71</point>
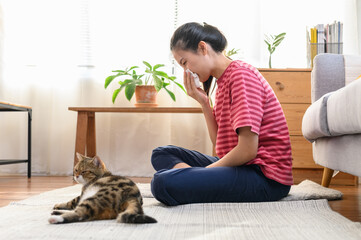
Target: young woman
<point>247,126</point>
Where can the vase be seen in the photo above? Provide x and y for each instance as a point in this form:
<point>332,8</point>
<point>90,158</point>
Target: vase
<point>145,96</point>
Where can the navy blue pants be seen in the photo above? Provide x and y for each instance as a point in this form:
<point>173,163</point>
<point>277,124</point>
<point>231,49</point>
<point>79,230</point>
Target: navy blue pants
<point>203,185</point>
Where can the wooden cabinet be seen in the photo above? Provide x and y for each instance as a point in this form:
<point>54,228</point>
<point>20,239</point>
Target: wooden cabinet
<point>293,89</point>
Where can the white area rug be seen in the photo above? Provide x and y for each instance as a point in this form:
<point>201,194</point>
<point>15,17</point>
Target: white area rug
<point>306,190</point>
<point>312,219</point>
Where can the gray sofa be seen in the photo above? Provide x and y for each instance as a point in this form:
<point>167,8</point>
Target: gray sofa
<point>333,121</point>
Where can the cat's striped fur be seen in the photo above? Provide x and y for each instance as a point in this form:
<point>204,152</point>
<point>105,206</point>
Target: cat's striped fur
<point>104,196</point>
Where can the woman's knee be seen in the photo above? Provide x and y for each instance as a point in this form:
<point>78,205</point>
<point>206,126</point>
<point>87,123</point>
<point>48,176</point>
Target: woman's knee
<point>157,157</point>
<point>163,157</point>
<point>160,188</point>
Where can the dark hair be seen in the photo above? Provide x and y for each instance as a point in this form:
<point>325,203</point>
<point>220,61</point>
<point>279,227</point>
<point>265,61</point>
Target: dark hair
<point>188,36</point>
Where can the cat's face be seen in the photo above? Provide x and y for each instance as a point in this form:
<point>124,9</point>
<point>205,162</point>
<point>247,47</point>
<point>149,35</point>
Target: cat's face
<point>88,169</point>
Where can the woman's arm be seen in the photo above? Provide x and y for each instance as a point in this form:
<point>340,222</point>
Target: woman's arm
<point>200,96</point>
<point>211,122</point>
<point>245,150</point>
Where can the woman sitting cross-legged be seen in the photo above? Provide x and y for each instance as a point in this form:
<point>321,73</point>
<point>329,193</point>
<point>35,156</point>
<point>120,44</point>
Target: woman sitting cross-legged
<point>247,126</point>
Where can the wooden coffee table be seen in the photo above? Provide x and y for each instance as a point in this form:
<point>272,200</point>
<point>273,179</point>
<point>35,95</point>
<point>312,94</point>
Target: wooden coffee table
<point>85,141</point>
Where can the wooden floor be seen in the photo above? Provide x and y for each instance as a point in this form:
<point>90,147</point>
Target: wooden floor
<point>15,188</point>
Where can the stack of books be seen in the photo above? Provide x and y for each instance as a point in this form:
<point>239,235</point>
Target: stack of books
<point>325,38</point>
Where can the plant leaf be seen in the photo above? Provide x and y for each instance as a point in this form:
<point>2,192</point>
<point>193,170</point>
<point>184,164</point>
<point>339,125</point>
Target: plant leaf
<point>267,38</point>
<point>132,68</point>
<point>280,35</point>
<point>115,94</point>
<point>278,42</point>
<point>140,76</point>
<point>157,66</point>
<point>160,73</point>
<point>232,52</point>
<point>180,86</point>
<point>267,43</point>
<point>148,65</point>
<point>171,94</point>
<point>129,91</point>
<point>109,79</point>
<point>127,81</point>
<point>158,83</point>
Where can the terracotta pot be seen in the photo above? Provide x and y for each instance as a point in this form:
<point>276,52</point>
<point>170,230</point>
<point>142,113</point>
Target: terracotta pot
<point>145,96</point>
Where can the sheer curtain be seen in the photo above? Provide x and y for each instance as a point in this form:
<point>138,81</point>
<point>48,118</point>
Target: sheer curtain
<point>39,57</point>
<point>56,54</point>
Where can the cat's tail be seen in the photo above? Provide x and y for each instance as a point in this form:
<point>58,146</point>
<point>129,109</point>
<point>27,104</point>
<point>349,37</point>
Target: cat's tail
<point>134,214</point>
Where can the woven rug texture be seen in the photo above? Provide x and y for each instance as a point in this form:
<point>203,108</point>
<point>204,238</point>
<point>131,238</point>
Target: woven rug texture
<point>297,219</point>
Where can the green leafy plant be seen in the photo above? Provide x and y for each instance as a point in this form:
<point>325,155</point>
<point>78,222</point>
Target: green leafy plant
<point>272,42</point>
<point>232,52</point>
<point>152,75</point>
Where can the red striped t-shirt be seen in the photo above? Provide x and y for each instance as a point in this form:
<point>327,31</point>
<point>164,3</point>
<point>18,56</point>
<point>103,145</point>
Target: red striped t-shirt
<point>245,98</point>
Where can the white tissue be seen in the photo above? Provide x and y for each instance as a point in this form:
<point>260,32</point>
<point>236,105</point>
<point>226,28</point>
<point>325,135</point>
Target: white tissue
<point>196,78</point>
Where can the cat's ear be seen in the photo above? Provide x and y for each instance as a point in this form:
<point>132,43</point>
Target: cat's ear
<point>98,162</point>
<point>80,156</point>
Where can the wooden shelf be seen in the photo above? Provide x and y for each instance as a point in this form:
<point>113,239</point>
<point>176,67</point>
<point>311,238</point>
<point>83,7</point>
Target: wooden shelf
<point>138,109</point>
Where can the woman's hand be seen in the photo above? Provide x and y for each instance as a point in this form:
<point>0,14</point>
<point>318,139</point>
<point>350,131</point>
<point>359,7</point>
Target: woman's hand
<point>196,93</point>
<point>200,96</point>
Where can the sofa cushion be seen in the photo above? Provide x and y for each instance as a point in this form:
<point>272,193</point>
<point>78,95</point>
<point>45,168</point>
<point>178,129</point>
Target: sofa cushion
<point>334,114</point>
<point>344,110</point>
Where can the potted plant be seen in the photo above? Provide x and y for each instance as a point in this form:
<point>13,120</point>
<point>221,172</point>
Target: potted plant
<point>231,52</point>
<point>145,85</point>
<point>272,42</point>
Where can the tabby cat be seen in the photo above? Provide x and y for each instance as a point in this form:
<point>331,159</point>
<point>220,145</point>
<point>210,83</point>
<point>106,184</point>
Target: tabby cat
<point>104,196</point>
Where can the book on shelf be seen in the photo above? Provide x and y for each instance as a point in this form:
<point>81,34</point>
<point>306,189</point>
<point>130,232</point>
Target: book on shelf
<point>324,38</point>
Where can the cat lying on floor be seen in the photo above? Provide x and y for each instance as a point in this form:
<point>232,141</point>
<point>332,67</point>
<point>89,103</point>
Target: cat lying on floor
<point>104,196</point>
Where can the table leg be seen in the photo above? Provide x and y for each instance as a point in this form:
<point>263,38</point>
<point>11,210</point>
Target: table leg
<point>91,138</point>
<point>81,134</point>
<point>29,142</point>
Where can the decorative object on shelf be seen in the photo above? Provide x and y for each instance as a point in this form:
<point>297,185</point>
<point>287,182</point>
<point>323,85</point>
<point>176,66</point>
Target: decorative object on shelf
<point>272,42</point>
<point>324,39</point>
<point>154,81</point>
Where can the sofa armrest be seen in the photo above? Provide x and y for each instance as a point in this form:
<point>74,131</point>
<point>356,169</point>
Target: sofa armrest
<point>334,114</point>
<point>314,121</point>
<point>328,74</point>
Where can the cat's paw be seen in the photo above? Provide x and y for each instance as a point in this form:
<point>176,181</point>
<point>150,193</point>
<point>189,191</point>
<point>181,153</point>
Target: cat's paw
<point>57,212</point>
<point>55,219</point>
<point>59,206</point>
